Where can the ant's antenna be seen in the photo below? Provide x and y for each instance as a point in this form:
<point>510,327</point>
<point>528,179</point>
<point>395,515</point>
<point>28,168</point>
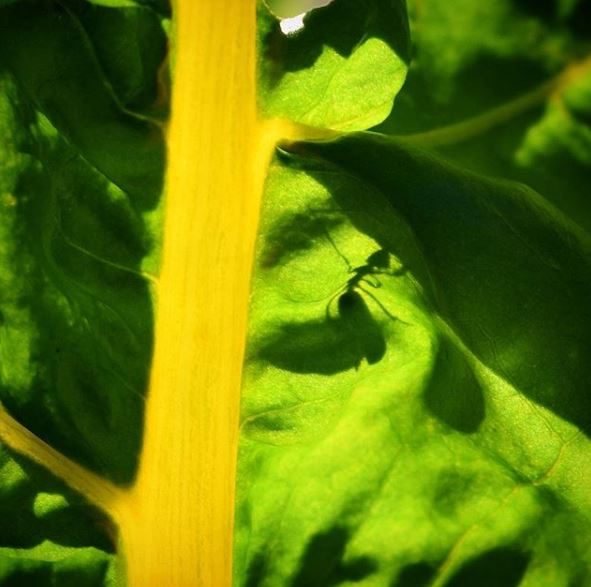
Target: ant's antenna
<point>334,246</point>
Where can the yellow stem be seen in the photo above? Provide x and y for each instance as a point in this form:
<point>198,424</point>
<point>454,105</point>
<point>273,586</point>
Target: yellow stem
<point>178,522</point>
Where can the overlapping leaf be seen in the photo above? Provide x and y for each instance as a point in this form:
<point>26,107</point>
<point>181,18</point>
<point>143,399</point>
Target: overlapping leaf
<point>341,71</point>
<point>500,87</point>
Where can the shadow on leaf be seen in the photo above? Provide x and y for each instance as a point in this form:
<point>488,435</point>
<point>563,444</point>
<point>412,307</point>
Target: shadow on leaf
<point>414,575</point>
<point>500,567</point>
<point>454,395</point>
<point>256,571</point>
<point>71,523</point>
<point>323,566</point>
<point>509,272</point>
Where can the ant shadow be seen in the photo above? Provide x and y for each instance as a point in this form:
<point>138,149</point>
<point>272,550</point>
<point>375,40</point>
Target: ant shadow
<point>349,333</point>
<point>329,345</point>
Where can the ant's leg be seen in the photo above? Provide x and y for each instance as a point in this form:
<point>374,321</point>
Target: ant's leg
<point>375,282</point>
<point>392,272</point>
<point>334,246</point>
<point>330,302</point>
<point>382,307</point>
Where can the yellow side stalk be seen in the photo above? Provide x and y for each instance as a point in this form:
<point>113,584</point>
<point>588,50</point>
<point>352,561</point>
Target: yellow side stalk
<point>96,489</point>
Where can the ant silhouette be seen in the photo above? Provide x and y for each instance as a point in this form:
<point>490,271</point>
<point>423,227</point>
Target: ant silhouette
<point>350,294</point>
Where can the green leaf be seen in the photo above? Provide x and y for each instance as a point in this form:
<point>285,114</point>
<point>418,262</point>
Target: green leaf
<point>436,436</point>
<point>55,63</point>
<point>291,8</point>
<point>131,47</point>
<point>416,407</point>
<point>341,71</point>
<point>78,231</point>
<point>49,535</point>
<point>491,87</point>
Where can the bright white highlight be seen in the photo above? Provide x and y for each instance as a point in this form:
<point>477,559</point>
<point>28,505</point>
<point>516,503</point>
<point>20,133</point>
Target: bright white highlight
<point>293,24</point>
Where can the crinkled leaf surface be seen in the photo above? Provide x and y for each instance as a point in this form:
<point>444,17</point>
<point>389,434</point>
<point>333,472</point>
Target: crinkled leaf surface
<point>505,87</point>
<point>341,71</point>
<point>430,425</point>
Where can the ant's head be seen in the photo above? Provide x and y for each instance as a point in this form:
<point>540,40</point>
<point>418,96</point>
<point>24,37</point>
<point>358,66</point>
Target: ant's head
<point>348,301</point>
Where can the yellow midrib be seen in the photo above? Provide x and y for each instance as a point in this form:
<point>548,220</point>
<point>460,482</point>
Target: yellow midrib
<point>177,525</point>
<point>95,488</point>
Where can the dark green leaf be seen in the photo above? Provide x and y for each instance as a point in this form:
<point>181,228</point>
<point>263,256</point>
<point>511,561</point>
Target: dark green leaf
<point>160,6</point>
<point>130,46</point>
<point>502,88</point>
<point>77,250</point>
<point>49,53</point>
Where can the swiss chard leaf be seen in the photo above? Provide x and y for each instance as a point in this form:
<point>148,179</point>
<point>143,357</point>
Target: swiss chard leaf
<point>415,407</point>
<point>55,63</point>
<point>131,48</point>
<point>78,243</point>
<point>436,436</point>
